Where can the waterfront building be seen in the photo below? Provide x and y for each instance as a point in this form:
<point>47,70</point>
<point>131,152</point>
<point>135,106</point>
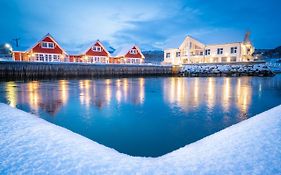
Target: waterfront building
<point>45,50</point>
<point>192,51</point>
<point>48,50</point>
<point>127,55</point>
<point>96,53</point>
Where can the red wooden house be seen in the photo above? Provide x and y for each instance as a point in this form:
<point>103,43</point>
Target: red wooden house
<point>128,55</point>
<point>45,50</point>
<point>97,53</point>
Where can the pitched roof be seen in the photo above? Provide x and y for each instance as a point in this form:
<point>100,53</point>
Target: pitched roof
<point>122,51</point>
<point>52,38</point>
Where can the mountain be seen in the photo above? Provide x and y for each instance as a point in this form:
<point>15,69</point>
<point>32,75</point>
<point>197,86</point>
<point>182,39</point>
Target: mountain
<point>268,53</point>
<point>156,56</point>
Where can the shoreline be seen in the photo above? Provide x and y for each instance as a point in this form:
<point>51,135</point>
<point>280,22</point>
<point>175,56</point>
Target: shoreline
<point>32,145</point>
<point>58,70</point>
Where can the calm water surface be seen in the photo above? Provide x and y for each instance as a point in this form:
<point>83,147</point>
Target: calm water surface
<point>145,116</point>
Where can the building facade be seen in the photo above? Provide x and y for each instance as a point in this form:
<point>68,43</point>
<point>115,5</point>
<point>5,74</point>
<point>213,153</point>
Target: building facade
<point>45,50</point>
<point>48,50</point>
<point>192,51</point>
<point>96,53</point>
<point>128,55</point>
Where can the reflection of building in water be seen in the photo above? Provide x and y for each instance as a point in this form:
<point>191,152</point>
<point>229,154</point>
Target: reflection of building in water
<point>226,94</point>
<point>48,97</point>
<point>211,93</point>
<point>33,95</point>
<point>177,91</point>
<point>11,95</point>
<point>63,87</point>
<point>101,92</point>
<point>244,93</point>
<point>130,90</point>
<point>108,90</point>
<point>85,96</point>
<point>53,97</point>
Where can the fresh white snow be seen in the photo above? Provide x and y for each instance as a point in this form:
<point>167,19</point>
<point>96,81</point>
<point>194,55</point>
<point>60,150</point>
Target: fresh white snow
<point>30,145</point>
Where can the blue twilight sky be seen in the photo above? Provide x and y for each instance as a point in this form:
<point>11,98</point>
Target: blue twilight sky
<point>152,24</point>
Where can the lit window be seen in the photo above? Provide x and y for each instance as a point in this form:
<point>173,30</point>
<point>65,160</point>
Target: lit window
<point>178,54</point>
<point>133,51</point>
<point>233,50</point>
<point>96,48</point>
<point>168,55</point>
<point>208,52</point>
<point>46,58</point>
<point>220,51</point>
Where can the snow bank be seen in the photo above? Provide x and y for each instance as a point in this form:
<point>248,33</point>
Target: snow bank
<point>226,70</point>
<point>30,145</point>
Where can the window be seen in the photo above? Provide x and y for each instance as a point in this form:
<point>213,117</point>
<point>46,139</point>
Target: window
<point>46,58</point>
<point>190,45</point>
<point>55,57</point>
<point>97,49</point>
<point>233,50</point>
<point>133,51</point>
<point>178,54</point>
<point>44,45</point>
<point>223,59</point>
<point>50,58</point>
<point>220,51</point>
<point>215,59</point>
<point>41,57</point>
<point>168,55</point>
<point>48,45</point>
<point>51,45</point>
<point>233,59</point>
<point>208,52</point>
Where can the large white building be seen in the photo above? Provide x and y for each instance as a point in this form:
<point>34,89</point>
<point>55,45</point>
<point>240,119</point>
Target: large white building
<point>192,51</point>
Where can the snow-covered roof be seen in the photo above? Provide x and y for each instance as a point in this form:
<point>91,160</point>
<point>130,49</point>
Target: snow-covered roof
<point>83,48</point>
<point>121,51</point>
<point>31,145</point>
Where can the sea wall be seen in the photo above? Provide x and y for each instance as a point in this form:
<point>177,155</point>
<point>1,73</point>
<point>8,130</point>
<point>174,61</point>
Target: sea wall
<point>35,70</point>
<point>238,69</point>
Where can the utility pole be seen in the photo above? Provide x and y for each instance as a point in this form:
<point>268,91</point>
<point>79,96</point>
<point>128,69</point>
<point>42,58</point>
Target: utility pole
<point>17,41</point>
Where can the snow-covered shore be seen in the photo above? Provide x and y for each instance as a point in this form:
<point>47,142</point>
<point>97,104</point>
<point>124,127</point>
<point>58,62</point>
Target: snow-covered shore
<point>226,70</point>
<point>30,145</point>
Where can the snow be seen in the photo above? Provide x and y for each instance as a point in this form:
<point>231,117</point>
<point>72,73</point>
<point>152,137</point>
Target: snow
<point>224,68</point>
<point>30,145</point>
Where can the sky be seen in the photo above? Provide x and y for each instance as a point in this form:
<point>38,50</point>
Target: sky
<point>151,24</point>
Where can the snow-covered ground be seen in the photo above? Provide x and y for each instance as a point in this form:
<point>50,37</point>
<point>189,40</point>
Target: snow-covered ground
<point>225,68</point>
<point>30,145</point>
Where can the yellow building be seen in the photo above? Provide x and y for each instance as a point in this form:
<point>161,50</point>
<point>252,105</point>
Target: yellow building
<point>192,51</point>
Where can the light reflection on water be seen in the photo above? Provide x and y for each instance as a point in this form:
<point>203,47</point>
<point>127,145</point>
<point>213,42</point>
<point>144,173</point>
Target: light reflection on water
<point>145,116</point>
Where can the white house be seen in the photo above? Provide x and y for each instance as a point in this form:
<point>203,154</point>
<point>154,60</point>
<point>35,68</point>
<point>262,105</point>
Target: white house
<point>193,51</point>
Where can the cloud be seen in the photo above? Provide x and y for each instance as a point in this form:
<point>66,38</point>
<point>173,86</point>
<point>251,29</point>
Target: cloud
<point>151,24</point>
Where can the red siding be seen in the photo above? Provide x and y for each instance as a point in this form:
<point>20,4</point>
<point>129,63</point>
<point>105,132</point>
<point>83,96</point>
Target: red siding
<point>75,58</point>
<point>114,60</point>
<point>90,52</point>
<point>128,55</point>
<point>17,56</point>
<point>20,56</point>
<point>39,49</point>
